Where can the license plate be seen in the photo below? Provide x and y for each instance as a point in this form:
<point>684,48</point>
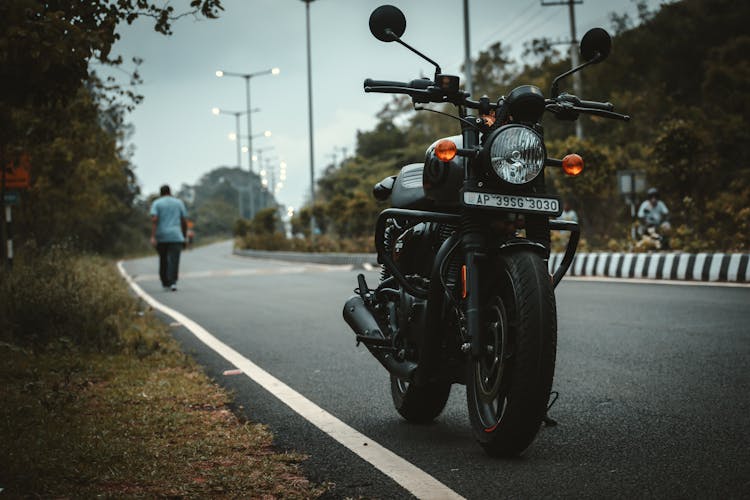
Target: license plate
<point>513,203</point>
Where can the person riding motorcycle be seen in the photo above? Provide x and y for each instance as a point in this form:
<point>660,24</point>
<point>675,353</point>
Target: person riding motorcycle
<point>653,215</point>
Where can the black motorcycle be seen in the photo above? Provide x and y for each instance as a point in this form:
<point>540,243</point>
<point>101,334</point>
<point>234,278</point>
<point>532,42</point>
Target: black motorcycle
<point>465,294</point>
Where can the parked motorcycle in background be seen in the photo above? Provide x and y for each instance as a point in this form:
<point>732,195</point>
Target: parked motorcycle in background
<point>465,295</point>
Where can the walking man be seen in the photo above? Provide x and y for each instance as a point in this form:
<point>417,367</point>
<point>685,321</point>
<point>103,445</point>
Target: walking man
<point>168,230</point>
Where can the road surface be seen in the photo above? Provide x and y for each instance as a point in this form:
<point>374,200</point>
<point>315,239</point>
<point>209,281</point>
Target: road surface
<point>653,380</point>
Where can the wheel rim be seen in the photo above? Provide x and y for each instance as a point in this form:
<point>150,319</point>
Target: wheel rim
<point>490,369</point>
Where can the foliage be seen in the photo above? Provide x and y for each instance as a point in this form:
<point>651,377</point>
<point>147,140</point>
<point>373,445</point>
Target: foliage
<point>681,72</point>
<point>220,200</point>
<point>55,296</point>
<point>55,108</point>
<point>81,168</point>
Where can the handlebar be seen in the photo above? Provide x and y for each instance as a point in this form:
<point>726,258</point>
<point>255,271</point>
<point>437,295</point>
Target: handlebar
<point>568,107</point>
<point>604,106</point>
<point>423,90</point>
<point>383,83</point>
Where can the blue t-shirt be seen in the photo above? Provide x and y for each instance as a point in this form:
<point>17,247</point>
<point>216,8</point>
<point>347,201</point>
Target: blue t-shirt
<point>169,212</point>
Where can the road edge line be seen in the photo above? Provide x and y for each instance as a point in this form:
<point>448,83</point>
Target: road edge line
<point>407,475</point>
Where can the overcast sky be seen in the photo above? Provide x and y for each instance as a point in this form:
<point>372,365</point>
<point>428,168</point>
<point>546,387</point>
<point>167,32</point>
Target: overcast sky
<point>177,138</point>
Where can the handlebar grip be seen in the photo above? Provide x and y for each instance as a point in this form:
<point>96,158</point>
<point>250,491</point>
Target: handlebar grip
<point>369,82</point>
<point>604,106</point>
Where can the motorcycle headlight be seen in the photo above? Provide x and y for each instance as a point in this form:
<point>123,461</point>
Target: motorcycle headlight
<point>516,154</point>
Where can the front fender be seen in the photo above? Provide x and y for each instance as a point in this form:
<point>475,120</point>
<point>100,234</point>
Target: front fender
<point>516,243</point>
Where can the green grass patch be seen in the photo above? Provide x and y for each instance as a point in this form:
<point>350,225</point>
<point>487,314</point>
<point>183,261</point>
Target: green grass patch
<point>145,421</point>
<point>98,400</point>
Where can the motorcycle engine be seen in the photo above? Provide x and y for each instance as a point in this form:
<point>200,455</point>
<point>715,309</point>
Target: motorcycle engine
<point>412,249</point>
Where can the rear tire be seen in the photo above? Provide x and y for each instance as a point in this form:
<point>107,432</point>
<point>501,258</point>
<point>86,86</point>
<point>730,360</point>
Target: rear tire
<point>508,386</point>
<point>419,405</point>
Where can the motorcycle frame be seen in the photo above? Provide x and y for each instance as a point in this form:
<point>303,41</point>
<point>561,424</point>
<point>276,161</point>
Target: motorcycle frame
<point>475,251</point>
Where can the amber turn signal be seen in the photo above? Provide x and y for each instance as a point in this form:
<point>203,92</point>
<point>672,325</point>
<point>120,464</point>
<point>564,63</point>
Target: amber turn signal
<point>445,150</point>
<point>572,164</point>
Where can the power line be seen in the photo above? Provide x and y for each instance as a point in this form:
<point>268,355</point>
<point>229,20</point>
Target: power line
<point>531,29</point>
<point>520,21</point>
<point>573,48</point>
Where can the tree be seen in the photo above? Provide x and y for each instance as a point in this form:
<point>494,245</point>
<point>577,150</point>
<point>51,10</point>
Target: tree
<point>55,108</point>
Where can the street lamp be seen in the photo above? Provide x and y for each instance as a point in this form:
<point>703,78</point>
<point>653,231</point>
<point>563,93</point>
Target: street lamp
<point>245,149</point>
<point>310,120</point>
<point>236,134</point>
<point>247,77</point>
<point>258,156</point>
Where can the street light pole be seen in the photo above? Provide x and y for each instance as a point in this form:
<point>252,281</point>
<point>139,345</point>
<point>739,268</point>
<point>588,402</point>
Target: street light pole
<point>236,114</point>
<point>468,70</point>
<point>310,120</point>
<point>239,146</point>
<point>248,77</point>
<point>249,124</point>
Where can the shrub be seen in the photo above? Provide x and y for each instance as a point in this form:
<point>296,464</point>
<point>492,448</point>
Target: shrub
<point>57,296</point>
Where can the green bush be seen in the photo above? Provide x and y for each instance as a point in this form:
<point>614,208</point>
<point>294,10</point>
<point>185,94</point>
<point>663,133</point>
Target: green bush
<point>58,297</point>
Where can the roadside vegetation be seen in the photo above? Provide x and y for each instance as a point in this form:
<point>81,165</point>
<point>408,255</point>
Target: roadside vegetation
<point>98,399</point>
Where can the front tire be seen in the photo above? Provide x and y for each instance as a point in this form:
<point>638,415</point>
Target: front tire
<point>419,405</point>
<point>508,385</point>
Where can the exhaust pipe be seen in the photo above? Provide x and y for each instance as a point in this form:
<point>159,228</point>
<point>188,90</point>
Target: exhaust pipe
<point>365,326</point>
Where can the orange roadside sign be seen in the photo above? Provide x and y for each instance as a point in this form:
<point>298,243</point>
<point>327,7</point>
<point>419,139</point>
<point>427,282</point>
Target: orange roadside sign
<point>18,175</point>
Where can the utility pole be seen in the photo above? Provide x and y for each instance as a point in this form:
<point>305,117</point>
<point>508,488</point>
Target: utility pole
<point>468,70</point>
<point>310,122</point>
<point>573,50</point>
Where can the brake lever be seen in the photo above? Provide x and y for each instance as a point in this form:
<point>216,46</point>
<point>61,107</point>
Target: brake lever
<point>602,113</point>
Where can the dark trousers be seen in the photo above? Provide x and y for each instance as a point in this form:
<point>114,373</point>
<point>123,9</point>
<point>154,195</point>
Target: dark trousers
<point>169,262</point>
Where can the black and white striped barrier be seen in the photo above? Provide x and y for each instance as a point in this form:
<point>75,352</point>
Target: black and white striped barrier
<point>660,266</point>
<point>729,267</point>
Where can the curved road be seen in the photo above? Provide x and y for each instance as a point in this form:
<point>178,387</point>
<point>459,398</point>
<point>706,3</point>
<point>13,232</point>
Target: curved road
<point>653,380</point>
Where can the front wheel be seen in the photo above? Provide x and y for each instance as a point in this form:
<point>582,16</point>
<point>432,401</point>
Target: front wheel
<point>508,384</point>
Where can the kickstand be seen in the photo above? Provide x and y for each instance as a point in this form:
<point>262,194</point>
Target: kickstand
<point>548,421</point>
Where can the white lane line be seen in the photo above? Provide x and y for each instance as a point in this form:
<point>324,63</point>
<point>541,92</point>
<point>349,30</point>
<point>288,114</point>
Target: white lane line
<point>409,476</point>
<point>268,271</point>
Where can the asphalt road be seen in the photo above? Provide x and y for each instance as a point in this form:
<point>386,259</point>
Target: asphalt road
<point>653,380</point>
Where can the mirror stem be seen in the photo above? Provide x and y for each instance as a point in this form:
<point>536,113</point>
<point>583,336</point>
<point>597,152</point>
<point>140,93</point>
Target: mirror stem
<point>398,39</point>
<point>556,81</point>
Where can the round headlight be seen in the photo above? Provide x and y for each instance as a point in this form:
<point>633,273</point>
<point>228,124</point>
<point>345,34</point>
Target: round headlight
<point>517,154</point>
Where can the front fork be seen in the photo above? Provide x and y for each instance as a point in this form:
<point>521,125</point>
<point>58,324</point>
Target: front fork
<point>475,260</point>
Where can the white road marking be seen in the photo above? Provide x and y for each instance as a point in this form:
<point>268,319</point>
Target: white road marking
<point>409,476</point>
<point>268,271</point>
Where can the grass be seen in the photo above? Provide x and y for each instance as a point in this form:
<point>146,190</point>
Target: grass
<point>129,415</point>
<point>144,422</point>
